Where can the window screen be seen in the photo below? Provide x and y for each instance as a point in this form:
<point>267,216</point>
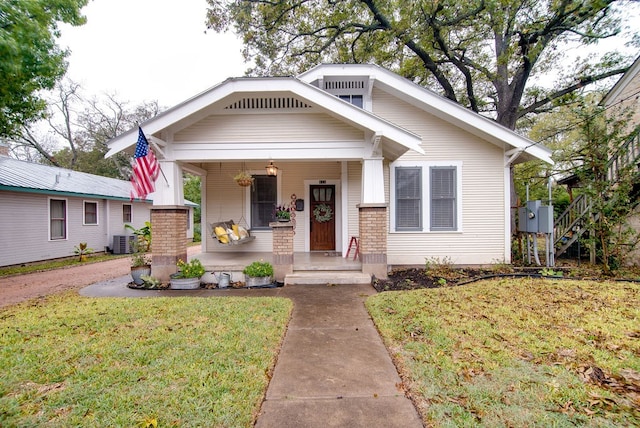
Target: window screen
<point>90,213</point>
<point>126,213</point>
<point>263,201</point>
<point>408,198</point>
<point>58,218</point>
<point>356,100</point>
<point>443,198</point>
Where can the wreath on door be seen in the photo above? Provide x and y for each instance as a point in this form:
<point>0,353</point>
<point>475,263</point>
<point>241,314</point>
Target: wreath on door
<point>322,213</point>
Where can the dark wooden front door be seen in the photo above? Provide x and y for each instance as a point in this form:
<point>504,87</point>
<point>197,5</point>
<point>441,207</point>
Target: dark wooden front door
<point>323,217</point>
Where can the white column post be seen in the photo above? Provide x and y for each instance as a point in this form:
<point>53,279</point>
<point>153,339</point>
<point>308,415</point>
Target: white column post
<point>169,191</point>
<point>372,181</point>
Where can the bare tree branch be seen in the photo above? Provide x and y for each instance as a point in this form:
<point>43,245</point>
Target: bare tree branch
<point>584,81</point>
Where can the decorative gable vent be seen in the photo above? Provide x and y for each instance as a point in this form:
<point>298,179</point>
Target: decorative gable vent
<point>268,104</point>
<point>343,84</point>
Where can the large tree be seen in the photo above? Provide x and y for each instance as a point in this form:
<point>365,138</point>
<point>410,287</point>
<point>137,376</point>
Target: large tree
<point>76,130</point>
<point>480,53</point>
<point>30,60</point>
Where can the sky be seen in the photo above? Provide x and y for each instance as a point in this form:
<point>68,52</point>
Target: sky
<point>144,50</point>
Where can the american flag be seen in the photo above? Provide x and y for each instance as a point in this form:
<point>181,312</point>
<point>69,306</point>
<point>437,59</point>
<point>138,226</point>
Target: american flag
<point>145,169</point>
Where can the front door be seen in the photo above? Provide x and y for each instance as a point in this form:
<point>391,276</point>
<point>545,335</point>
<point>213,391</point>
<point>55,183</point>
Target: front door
<point>322,225</point>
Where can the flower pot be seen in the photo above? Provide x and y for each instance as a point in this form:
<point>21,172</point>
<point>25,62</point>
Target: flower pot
<point>254,281</point>
<point>184,283</point>
<point>138,271</point>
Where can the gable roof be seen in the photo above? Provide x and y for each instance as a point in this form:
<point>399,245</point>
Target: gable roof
<point>182,115</point>
<point>436,105</point>
<point>623,82</point>
<point>29,177</point>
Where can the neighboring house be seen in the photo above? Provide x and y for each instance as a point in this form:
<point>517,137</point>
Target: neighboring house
<point>625,95</point>
<point>350,138</point>
<point>621,102</point>
<point>46,211</point>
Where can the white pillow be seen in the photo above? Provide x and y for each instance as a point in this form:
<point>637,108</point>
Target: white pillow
<point>232,235</point>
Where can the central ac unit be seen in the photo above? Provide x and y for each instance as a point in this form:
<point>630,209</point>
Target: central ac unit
<point>122,244</point>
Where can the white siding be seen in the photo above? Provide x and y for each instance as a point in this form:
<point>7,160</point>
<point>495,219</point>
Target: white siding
<point>269,128</point>
<point>25,226</point>
<point>481,240</point>
<point>226,200</point>
<point>354,197</point>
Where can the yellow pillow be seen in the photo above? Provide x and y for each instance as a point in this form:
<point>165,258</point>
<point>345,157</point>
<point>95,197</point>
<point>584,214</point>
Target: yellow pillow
<point>234,227</point>
<point>221,234</point>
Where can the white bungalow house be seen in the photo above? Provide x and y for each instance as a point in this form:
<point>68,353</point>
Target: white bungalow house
<point>46,211</point>
<point>372,155</point>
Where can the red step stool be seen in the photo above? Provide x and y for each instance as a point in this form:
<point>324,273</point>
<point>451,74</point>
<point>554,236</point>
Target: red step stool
<point>354,240</point>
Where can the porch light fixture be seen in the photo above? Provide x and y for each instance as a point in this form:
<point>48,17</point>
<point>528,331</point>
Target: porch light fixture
<point>272,170</point>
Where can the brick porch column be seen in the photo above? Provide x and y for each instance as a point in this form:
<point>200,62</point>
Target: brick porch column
<point>373,239</point>
<point>168,239</point>
<point>282,249</point>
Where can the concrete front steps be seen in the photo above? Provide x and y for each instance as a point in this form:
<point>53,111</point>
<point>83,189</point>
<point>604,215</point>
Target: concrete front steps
<point>327,277</point>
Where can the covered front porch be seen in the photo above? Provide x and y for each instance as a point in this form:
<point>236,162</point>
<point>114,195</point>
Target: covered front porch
<point>331,157</point>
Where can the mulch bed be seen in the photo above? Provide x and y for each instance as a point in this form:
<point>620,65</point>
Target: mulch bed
<point>415,278</point>
<point>446,276</point>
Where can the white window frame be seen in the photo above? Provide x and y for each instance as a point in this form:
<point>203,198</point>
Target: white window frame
<point>130,212</point>
<point>84,213</point>
<point>364,92</point>
<point>66,219</point>
<point>426,194</point>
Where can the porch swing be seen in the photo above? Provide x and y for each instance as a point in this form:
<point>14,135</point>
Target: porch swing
<point>229,232</point>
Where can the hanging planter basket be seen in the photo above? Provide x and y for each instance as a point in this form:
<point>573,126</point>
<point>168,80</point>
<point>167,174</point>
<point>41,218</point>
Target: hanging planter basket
<point>244,179</point>
<point>245,182</point>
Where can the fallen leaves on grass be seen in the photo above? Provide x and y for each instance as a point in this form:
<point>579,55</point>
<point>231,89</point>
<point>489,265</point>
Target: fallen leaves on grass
<point>517,352</point>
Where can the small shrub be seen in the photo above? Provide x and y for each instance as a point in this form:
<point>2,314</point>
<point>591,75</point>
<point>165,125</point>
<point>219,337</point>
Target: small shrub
<point>82,251</point>
<point>440,267</point>
<point>259,269</point>
<point>192,269</point>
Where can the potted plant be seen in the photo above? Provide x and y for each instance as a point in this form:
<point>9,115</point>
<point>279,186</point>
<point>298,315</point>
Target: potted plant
<point>283,213</point>
<point>258,273</point>
<point>188,275</point>
<point>140,261</point>
<point>143,235</point>
<point>243,178</point>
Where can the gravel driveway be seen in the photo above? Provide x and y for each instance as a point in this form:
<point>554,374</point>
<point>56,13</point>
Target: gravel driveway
<point>16,289</point>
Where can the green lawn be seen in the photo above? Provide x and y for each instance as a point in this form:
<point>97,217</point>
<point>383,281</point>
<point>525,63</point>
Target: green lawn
<point>55,264</point>
<point>518,352</point>
<point>73,361</point>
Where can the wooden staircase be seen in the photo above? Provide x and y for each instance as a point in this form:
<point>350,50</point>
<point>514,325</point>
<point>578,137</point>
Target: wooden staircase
<point>570,225</point>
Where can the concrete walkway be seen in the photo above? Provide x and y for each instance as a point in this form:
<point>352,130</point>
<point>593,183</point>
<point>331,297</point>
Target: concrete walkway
<point>333,369</point>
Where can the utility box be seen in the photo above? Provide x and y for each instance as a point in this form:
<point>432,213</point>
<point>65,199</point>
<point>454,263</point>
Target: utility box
<point>545,219</point>
<point>528,217</point>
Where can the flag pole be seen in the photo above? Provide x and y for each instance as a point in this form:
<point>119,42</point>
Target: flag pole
<point>165,177</point>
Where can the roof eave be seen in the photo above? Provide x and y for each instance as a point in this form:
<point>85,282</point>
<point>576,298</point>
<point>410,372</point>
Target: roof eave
<point>325,101</point>
<point>435,104</point>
